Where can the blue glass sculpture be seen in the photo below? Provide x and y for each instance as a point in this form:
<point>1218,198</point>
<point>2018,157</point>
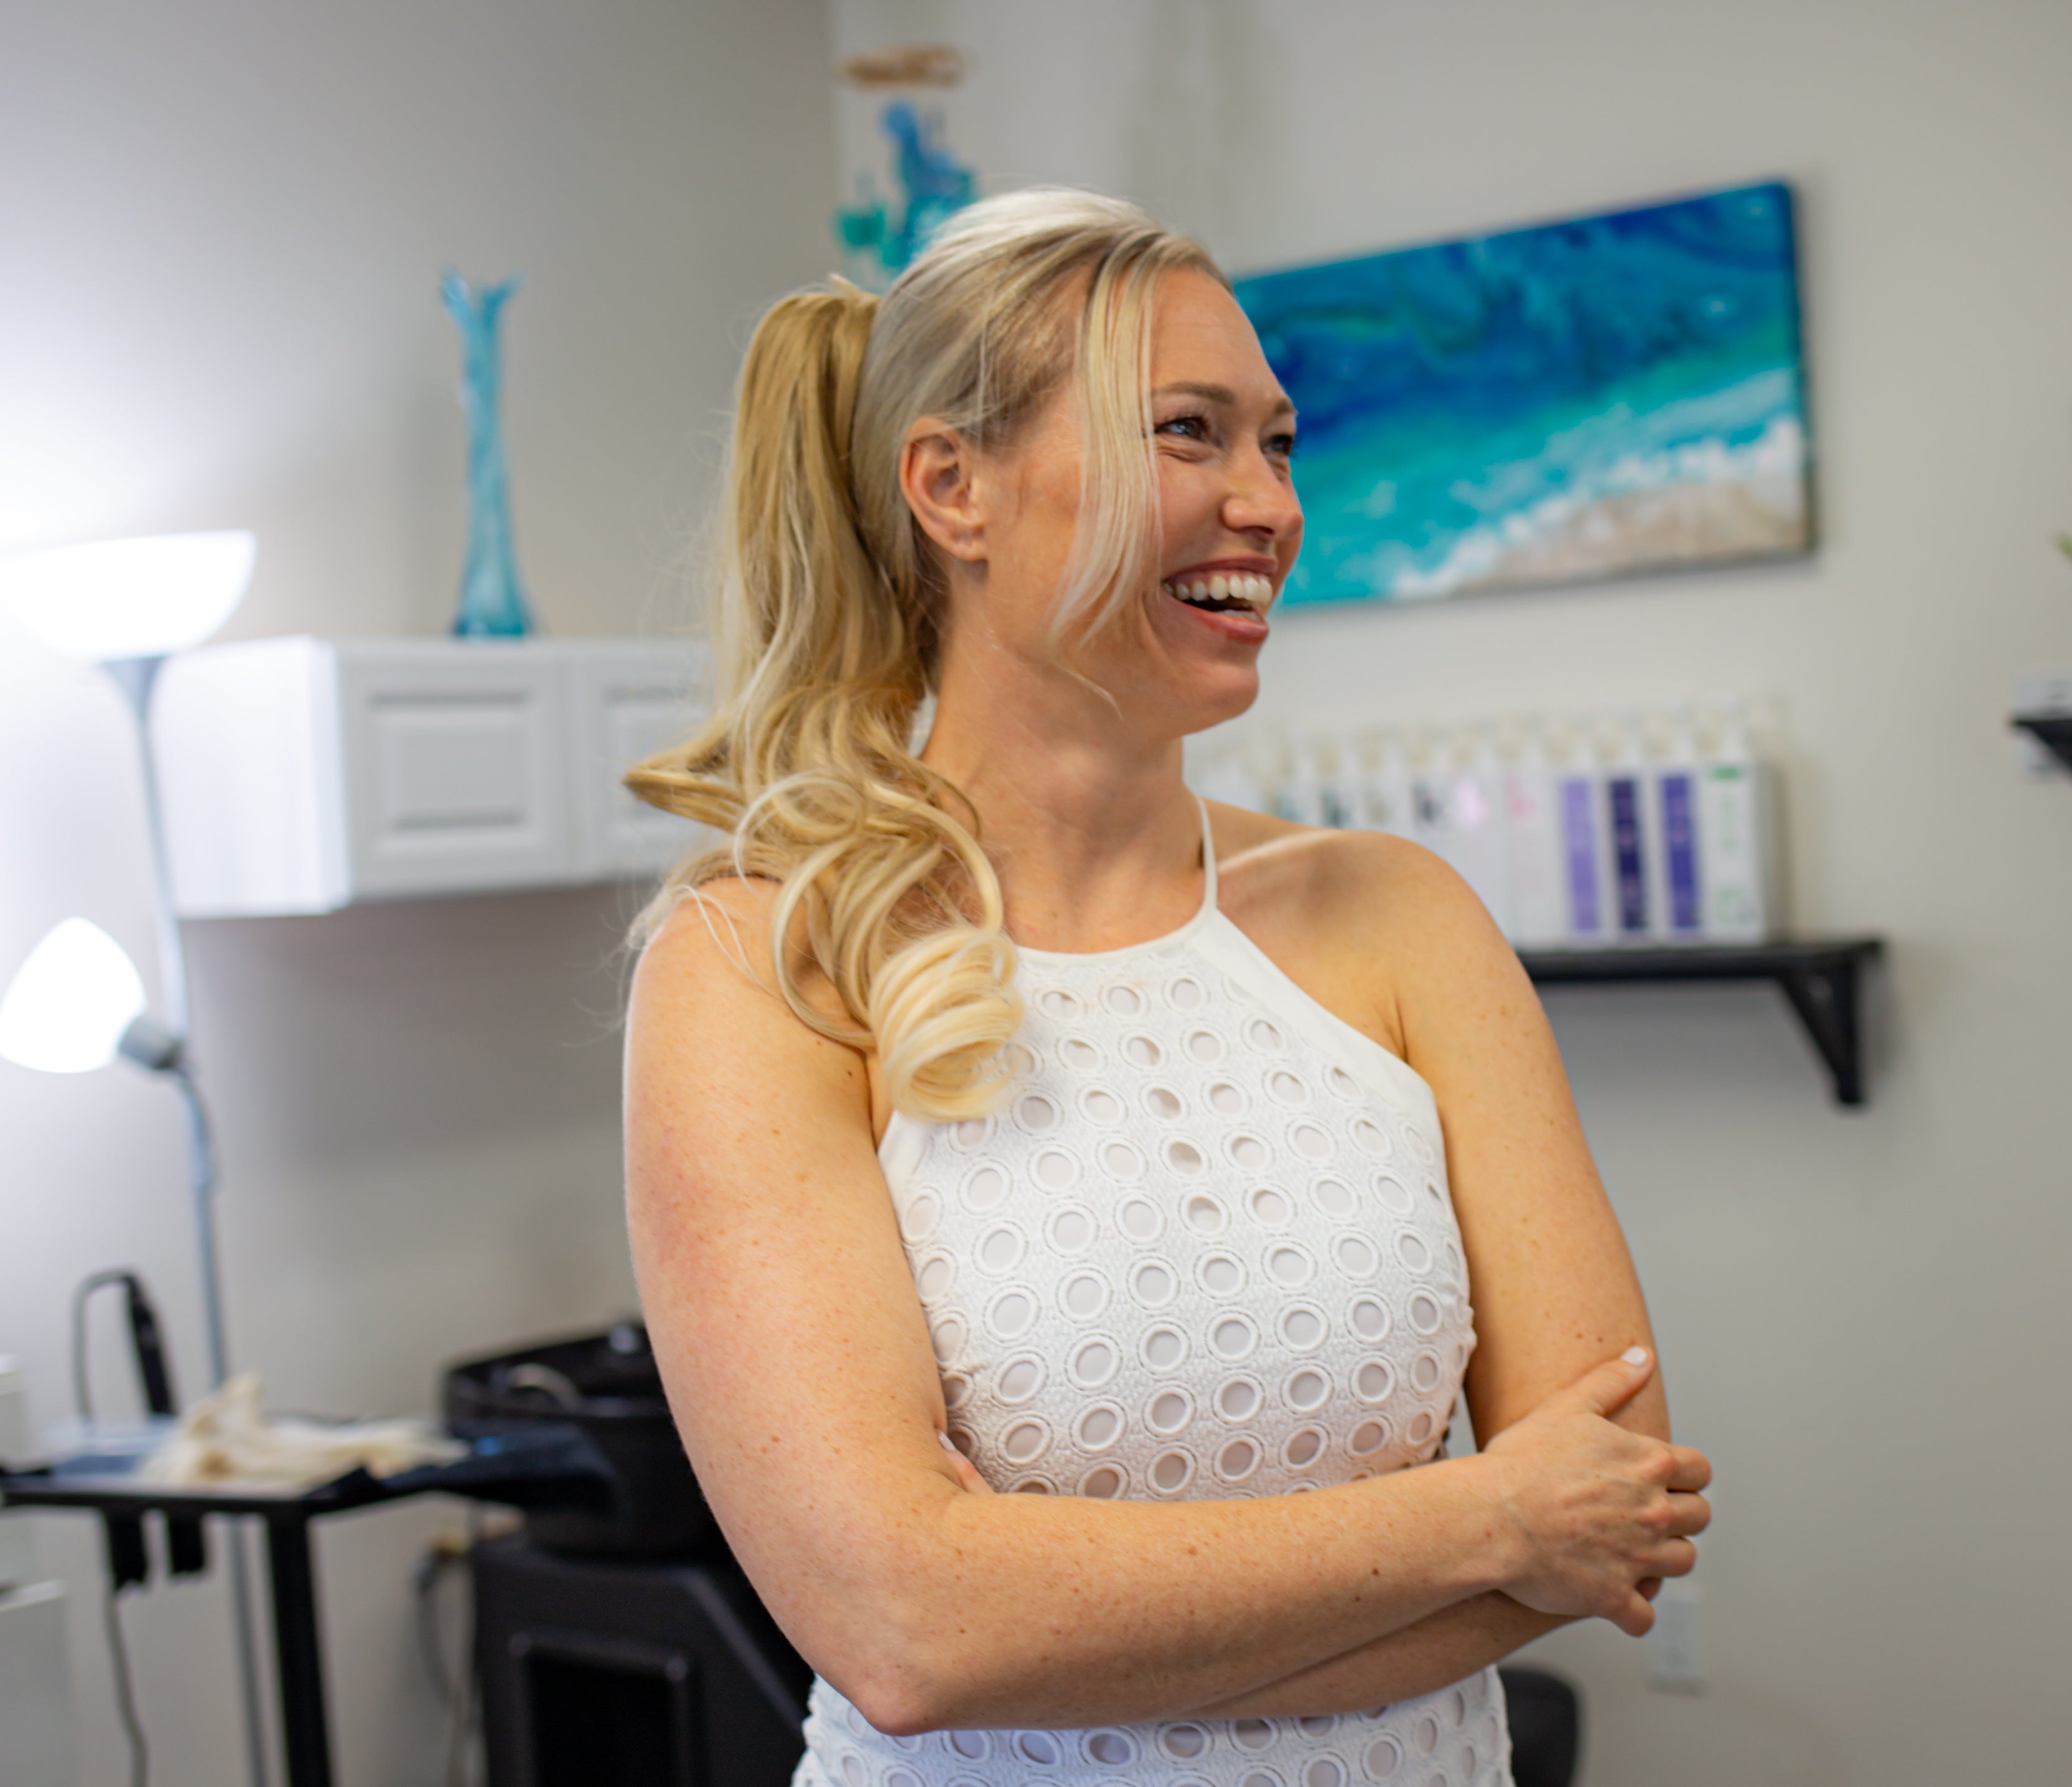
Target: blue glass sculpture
<point>492,603</point>
<point>877,244</point>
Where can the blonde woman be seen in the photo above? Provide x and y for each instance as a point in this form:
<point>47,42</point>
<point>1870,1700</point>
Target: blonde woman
<point>1056,1202</point>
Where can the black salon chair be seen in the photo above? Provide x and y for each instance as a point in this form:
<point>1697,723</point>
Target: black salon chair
<point>1546,1728</point>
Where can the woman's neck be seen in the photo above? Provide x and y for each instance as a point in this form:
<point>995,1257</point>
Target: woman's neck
<point>1093,833</point>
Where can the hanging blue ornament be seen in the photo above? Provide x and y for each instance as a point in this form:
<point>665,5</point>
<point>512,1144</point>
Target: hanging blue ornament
<point>492,603</point>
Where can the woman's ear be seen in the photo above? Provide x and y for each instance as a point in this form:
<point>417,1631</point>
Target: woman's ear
<point>936,477</point>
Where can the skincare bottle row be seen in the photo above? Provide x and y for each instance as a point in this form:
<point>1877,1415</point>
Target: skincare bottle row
<point>1644,828</point>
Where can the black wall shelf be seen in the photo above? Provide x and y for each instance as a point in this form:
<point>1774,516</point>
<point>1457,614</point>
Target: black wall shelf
<point>1819,978</point>
<point>2054,730</point>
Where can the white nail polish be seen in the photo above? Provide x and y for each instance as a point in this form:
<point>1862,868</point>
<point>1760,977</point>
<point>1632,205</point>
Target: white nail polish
<point>1633,1355</point>
<point>949,1445</point>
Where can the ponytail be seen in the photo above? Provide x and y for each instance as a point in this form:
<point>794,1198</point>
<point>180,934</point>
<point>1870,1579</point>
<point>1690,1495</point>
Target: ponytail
<point>828,621</point>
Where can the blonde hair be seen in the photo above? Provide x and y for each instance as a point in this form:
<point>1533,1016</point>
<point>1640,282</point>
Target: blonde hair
<point>828,612</point>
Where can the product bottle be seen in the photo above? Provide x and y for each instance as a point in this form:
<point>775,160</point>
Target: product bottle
<point>1306,797</point>
<point>1532,824</point>
<point>1476,811</point>
<point>1678,865</point>
<point>1626,812</point>
<point>1431,795</point>
<point>1584,855</point>
<point>1738,858</point>
<point>1348,788</point>
<point>1387,802</point>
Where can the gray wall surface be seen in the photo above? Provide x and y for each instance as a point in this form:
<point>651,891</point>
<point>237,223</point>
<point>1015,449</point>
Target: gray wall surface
<point>222,226</point>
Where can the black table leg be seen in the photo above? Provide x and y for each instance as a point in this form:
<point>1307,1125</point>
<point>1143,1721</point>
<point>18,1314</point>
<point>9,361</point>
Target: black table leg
<point>297,1652</point>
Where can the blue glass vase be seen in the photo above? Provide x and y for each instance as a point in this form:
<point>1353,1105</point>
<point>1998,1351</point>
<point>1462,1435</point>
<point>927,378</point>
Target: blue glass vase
<point>492,602</point>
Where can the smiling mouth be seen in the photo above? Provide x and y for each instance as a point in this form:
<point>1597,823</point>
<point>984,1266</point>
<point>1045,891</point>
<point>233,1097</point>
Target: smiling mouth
<point>1225,592</point>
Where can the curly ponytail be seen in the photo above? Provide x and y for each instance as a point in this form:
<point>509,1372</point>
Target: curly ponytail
<point>828,613</point>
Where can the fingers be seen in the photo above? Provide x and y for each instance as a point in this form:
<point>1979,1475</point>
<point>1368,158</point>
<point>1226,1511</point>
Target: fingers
<point>967,1472</point>
<point>1635,1617</point>
<point>1689,1468</point>
<point>1607,1388</point>
<point>1689,1515</point>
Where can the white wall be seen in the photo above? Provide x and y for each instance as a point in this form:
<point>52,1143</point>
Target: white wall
<point>1862,1315</point>
<point>221,230</point>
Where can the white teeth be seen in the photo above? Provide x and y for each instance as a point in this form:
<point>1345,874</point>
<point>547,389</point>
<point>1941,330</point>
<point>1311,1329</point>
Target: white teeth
<point>1254,591</point>
<point>1219,586</point>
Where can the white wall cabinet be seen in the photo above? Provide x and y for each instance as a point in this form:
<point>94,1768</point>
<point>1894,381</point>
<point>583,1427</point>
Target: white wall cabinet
<point>303,774</point>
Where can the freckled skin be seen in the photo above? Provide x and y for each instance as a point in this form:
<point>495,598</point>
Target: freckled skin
<point>778,1291</point>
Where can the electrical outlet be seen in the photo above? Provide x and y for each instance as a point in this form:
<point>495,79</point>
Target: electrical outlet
<point>1674,1662</point>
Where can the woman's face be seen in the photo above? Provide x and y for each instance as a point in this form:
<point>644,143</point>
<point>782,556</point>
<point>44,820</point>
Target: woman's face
<point>1183,653</point>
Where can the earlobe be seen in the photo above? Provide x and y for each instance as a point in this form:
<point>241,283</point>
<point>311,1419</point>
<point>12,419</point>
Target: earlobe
<point>934,477</point>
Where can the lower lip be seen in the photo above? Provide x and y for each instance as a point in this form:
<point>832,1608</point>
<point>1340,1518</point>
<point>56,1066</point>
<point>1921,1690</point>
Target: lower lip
<point>1232,622</point>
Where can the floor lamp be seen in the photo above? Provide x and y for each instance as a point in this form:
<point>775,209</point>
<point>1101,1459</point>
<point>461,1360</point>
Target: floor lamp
<point>78,1001</point>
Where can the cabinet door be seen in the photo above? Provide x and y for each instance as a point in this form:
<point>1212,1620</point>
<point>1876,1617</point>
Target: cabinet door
<point>629,702</point>
<point>454,760</point>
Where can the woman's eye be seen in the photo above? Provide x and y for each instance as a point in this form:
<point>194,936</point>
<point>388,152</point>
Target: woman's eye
<point>1282,445</point>
<point>1188,428</point>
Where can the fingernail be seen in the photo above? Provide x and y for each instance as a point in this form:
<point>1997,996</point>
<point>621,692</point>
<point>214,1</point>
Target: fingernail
<point>1635,1355</point>
<point>949,1445</point>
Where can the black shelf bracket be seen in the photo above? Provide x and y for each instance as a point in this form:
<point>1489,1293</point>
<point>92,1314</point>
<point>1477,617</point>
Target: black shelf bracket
<point>1821,979</point>
<point>2053,730</point>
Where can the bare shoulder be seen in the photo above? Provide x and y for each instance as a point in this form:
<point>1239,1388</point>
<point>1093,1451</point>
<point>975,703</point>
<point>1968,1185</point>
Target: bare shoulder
<point>1371,926</point>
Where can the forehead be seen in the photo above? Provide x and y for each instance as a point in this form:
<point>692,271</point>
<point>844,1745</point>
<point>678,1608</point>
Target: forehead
<point>1200,335</point>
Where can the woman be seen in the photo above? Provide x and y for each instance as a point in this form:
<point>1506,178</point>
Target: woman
<point>1145,1211</point>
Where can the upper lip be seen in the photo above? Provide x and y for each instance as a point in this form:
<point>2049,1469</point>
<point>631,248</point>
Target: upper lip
<point>1257,565</point>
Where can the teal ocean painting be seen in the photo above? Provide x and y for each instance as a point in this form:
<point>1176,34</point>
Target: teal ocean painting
<point>1608,394</point>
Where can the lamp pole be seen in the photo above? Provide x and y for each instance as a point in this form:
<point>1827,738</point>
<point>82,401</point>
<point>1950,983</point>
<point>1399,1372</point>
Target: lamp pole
<point>137,678</point>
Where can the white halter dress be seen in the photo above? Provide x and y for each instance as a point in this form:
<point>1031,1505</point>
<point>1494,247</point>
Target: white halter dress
<point>1206,1252</point>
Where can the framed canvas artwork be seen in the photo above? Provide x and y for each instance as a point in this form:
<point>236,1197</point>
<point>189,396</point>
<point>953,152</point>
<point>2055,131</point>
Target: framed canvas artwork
<point>1612,394</point>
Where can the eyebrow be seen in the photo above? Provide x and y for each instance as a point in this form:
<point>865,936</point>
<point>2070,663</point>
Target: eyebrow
<point>1221,394</point>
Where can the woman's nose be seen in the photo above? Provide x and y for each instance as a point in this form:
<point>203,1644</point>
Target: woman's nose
<point>1261,499</point>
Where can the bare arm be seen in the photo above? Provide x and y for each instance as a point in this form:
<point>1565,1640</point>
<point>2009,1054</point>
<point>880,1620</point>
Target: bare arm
<point>791,1338</point>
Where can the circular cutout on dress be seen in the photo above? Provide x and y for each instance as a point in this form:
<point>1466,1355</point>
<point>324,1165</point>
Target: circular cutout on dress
<point>1183,1157</point>
<point>1381,1758</point>
<point>1289,1265</point>
<point>1094,1361</point>
<point>935,1274</point>
<point>1369,1137</point>
<point>1103,1482</point>
<point>1425,1373</point>
<point>1124,1001</point>
<point>1220,1275</point>
<point>1169,1411</point>
<point>852,1769</point>
<point>1101,1106</point>
<point>1421,1425</point>
<point>1084,1295</point>
<point>1205,1045</point>
<point>1355,1255</point>
<point>1431,1191</point>
<point>1140,1219</point>
<point>1026,1441</point>
<point>1270,1207</point>
<point>1322,1771</point>
<point>1032,1486</point>
<point>1394,1194</point>
<point>1457,1709</point>
<point>1000,1250</point>
<point>1036,1113</point>
<point>1260,1034</point>
<point>1056,1168</point>
<point>903,1777</point>
<point>1252,1734</point>
<point>1426,1735</point>
<point>1260,1777</point>
<point>1317,1724</point>
<point>1249,1151</point>
<point>985,1189</point>
<point>1140,1051</point>
<point>1162,1102</point>
<point>1304,1448</point>
<point>1020,1379</point>
<point>1111,1749</point>
<point>1070,1228</point>
<point>970,1745</point>
<point>1342,1083</point>
<point>1079,1055</point>
<point>1100,1426</point>
<point>1370,1318</point>
<point>1226,1099</point>
<point>1119,1161</point>
<point>970,1133</point>
<point>947,1337</point>
<point>1420,1144</point>
<point>1334,1197</point>
<point>1286,1088</point>
<point>1040,1747</point>
<point>1239,1399</point>
<point>1310,1142</point>
<point>1425,1312</point>
<point>1306,1390</point>
<point>1368,1437</point>
<point>1182,1742</point>
<point>1302,1327</point>
<point>1204,1215</point>
<point>1019,1059</point>
<point>1055,1002</point>
<point>1374,1380</point>
<point>1232,1337</point>
<point>1185,993</point>
<point>1162,1348</point>
<point>956,1388</point>
<point>1172,1472</point>
<point>918,1220</point>
<point>1412,1250</point>
<point>1011,1314</point>
<point>1153,1283</point>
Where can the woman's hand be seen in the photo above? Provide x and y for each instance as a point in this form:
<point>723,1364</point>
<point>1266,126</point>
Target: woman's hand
<point>1601,1511</point>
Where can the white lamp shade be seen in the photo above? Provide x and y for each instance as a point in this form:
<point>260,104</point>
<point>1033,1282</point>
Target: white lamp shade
<point>71,1001</point>
<point>129,598</point>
